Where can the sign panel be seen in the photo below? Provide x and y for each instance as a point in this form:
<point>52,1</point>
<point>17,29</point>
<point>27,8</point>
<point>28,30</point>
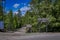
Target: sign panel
<point>1,25</point>
<point>42,19</point>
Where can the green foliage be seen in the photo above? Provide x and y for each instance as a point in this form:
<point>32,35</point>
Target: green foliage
<point>39,8</point>
<point>12,22</point>
<point>45,9</point>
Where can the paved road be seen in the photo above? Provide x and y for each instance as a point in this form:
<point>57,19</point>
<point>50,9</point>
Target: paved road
<point>34,36</point>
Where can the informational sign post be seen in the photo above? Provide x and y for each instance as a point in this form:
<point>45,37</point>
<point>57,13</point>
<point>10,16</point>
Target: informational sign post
<point>43,20</point>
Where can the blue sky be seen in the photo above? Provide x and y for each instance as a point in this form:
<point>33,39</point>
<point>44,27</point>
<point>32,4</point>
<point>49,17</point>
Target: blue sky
<point>22,5</point>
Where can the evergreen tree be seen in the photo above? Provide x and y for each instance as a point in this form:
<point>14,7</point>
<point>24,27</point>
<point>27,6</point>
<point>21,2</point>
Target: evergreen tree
<point>19,18</point>
<point>10,17</point>
<point>1,10</point>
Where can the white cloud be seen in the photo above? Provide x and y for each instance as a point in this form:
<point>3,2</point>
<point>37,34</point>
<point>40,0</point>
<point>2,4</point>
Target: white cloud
<point>15,12</point>
<point>24,9</point>
<point>16,5</point>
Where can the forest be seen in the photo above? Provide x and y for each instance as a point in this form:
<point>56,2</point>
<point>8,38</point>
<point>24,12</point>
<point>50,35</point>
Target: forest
<point>49,9</point>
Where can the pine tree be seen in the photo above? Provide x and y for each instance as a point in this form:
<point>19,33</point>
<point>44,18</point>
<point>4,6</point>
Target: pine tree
<point>10,17</point>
